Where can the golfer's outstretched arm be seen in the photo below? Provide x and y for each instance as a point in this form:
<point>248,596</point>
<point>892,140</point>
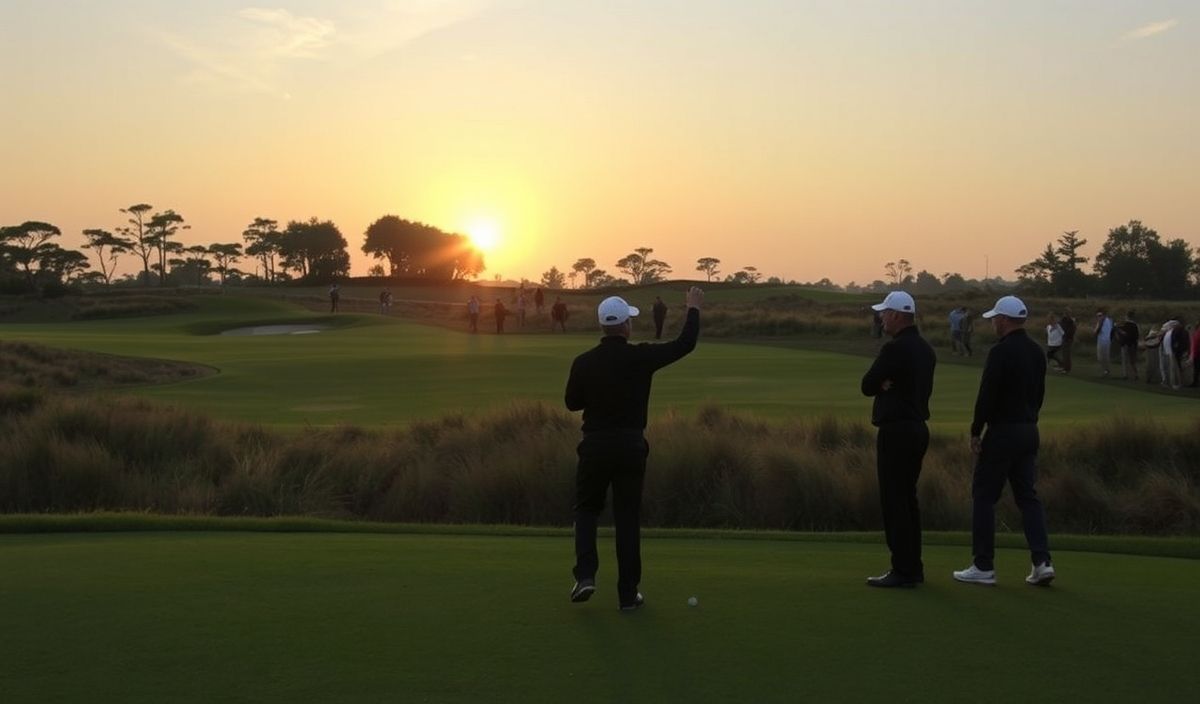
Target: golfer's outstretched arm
<point>663,354</point>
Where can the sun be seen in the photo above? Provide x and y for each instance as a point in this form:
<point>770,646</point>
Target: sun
<point>485,235</point>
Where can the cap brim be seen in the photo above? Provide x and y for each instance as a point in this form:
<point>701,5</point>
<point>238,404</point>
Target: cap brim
<point>990,314</point>
<point>879,306</point>
<point>633,312</point>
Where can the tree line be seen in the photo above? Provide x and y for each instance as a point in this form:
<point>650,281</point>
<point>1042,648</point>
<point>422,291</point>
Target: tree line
<point>639,268</point>
<point>1133,262</point>
<point>313,251</point>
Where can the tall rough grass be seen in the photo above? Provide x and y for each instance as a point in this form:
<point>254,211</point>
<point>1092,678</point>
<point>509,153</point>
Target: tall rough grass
<point>515,465</point>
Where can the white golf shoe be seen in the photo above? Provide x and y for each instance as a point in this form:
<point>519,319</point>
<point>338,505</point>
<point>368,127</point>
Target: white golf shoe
<point>974,575</point>
<point>1041,575</point>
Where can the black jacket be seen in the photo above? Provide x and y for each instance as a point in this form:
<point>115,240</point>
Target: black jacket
<point>907,361</point>
<point>1013,384</point>
<point>610,383</point>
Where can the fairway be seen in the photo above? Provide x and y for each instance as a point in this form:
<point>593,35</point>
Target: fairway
<point>376,371</point>
<point>260,617</point>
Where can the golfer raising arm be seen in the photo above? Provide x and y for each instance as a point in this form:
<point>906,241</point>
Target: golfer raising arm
<point>610,383</point>
<point>901,380</point>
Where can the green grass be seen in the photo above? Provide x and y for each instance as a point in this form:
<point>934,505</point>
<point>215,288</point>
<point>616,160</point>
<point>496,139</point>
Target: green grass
<point>265,617</point>
<point>377,371</point>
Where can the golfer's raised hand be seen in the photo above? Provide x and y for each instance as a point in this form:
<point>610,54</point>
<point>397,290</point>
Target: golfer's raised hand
<point>694,297</point>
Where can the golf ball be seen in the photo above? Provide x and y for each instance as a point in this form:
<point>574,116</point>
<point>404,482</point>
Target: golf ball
<point>693,601</point>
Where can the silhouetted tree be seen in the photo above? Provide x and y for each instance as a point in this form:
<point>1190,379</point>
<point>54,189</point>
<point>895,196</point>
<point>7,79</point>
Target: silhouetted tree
<point>225,255</point>
<point>709,266</point>
<point>316,249</point>
<point>262,238</point>
<point>641,268</point>
<point>553,278</point>
<point>585,266</point>
<point>162,226</point>
<point>139,236</point>
<point>108,247</point>
<point>27,242</point>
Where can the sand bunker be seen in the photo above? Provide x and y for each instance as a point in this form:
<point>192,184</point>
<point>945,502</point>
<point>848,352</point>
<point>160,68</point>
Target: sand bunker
<point>276,330</point>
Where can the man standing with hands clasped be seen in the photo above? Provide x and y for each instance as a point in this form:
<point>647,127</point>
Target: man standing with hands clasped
<point>610,383</point>
<point>1010,397</point>
<point>901,380</point>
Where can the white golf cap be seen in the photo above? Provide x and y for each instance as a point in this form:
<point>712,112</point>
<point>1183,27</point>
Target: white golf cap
<point>614,311</point>
<point>1009,307</point>
<point>897,300</point>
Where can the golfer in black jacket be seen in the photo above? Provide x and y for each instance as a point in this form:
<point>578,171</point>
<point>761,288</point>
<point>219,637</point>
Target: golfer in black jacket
<point>1010,398</point>
<point>901,380</point>
<point>610,383</point>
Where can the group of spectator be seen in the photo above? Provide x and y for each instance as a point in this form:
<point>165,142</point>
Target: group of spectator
<point>1166,349</point>
<point>558,312</point>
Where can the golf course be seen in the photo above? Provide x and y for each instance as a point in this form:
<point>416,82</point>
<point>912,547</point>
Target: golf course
<point>143,607</point>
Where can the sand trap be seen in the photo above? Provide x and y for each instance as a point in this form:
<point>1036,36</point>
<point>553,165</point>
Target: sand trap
<point>277,330</point>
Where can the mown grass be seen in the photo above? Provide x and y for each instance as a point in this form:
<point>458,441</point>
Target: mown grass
<point>204,617</point>
<point>713,469</point>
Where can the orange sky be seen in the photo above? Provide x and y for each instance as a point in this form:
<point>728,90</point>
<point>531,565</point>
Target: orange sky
<point>809,139</point>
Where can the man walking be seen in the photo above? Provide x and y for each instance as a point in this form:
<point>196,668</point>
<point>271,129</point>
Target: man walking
<point>558,315</point>
<point>901,380</point>
<point>1067,323</point>
<point>610,383</point>
<point>660,316</point>
<point>1010,397</point>
<point>501,313</point>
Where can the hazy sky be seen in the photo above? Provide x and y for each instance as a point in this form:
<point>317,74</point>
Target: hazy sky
<point>806,138</point>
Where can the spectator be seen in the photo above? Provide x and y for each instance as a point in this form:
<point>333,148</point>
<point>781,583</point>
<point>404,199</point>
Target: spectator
<point>1192,354</point>
<point>539,299</point>
<point>501,313</point>
<point>385,301</point>
<point>1103,330</point>
<point>558,314</point>
<point>660,316</point>
<point>1127,339</point>
<point>955,330</point>
<point>1151,344</point>
<point>473,313</point>
<point>1174,347</point>
<point>966,326</point>
<point>1067,323</point>
<point>1054,341</point>
<point>521,303</point>
<point>334,294</point>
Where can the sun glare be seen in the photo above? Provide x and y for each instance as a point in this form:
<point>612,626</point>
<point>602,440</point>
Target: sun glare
<point>485,235</point>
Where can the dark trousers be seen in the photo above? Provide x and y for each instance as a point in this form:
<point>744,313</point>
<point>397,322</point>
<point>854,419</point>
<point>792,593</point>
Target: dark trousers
<point>1064,355</point>
<point>1009,455</point>
<point>658,326</point>
<point>617,459</point>
<point>900,448</point>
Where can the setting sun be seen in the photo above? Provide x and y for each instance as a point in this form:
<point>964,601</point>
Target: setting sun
<point>485,235</point>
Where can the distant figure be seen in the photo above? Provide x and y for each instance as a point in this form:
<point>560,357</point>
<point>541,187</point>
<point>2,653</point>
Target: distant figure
<point>385,301</point>
<point>1067,322</point>
<point>558,314</point>
<point>1174,347</point>
<point>1151,344</point>
<point>473,313</point>
<point>966,326</point>
<point>501,313</point>
<point>956,330</point>
<point>1104,333</point>
<point>1054,341</point>
<point>539,299</point>
<point>660,316</point>
<point>521,310</point>
<point>1128,337</point>
<point>334,295</point>
<point>876,325</point>
<point>1194,349</point>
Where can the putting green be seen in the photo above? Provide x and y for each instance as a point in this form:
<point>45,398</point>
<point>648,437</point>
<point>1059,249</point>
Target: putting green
<point>204,617</point>
<point>373,371</point>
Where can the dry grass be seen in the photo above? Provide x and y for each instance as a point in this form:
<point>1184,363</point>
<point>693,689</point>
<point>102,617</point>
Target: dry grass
<point>712,470</point>
<point>37,366</point>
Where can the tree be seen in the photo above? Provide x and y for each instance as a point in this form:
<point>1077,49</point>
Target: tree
<point>162,226</point>
<point>641,268</point>
<point>262,239</point>
<point>953,281</point>
<point>554,278</point>
<point>752,274</point>
<point>225,255</point>
<point>898,271</point>
<point>138,234</point>
<point>926,283</point>
<point>377,271</point>
<point>27,242</point>
<point>1172,264</point>
<point>102,240</point>
<point>61,264</point>
<point>585,266</point>
<point>572,276</point>
<point>1123,263</point>
<point>416,249</point>
<point>709,266</point>
<point>602,279</point>
<point>316,249</point>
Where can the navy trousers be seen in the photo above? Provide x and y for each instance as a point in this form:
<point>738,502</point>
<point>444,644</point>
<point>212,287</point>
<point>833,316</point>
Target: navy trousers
<point>900,448</point>
<point>616,459</point>
<point>1009,455</point>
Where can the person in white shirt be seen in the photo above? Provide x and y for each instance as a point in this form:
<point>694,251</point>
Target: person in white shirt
<point>1103,330</point>
<point>1054,341</point>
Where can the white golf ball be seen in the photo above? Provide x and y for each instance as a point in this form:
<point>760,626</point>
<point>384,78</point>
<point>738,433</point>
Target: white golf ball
<point>693,601</point>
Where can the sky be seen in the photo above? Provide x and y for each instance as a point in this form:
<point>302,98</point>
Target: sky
<point>806,138</point>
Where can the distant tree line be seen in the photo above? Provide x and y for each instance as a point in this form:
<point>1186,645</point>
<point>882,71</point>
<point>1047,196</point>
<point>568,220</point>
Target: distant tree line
<point>1134,262</point>
<point>311,250</point>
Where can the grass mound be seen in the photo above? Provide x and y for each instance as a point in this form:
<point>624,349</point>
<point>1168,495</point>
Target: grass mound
<point>37,366</point>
